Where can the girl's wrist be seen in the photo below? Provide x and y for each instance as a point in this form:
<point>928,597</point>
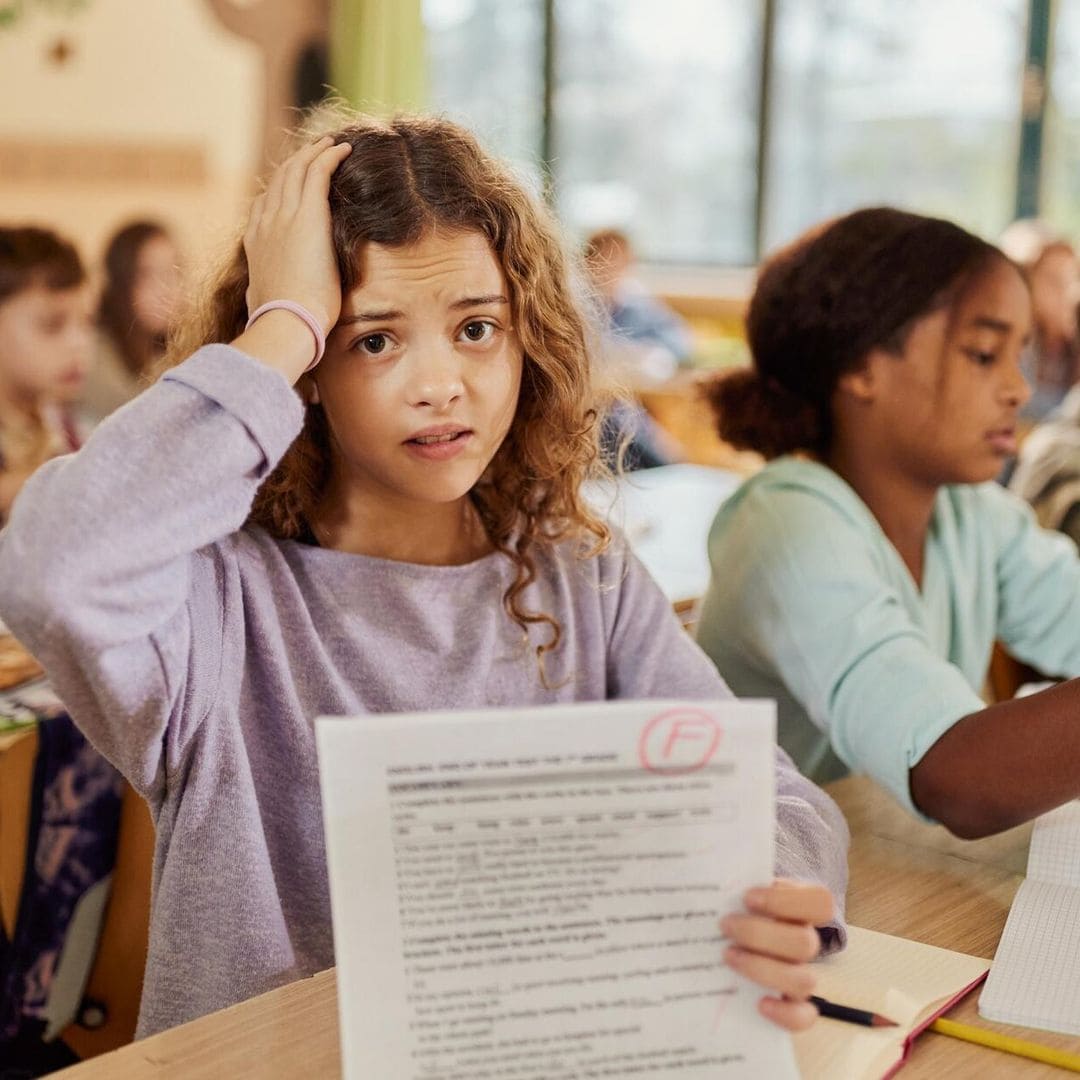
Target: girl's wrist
<point>281,341</point>
<point>304,314</point>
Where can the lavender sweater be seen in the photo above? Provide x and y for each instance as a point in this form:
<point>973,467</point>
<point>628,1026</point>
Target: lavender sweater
<point>195,653</point>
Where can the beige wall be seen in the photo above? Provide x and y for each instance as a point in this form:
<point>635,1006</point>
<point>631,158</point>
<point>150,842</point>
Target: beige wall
<point>158,112</point>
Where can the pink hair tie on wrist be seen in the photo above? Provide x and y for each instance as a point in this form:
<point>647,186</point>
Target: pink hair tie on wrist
<point>300,312</point>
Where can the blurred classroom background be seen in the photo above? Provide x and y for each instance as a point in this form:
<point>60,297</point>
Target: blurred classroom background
<point>712,131</point>
<point>707,131</point>
<point>688,138</point>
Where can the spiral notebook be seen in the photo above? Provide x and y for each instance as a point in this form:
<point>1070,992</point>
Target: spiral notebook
<point>1035,980</point>
<point>906,981</point>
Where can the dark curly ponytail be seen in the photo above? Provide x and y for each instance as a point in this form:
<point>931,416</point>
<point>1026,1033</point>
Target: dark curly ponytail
<point>821,305</point>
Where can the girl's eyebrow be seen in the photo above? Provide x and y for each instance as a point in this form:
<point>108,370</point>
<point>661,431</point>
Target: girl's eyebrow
<point>987,322</point>
<point>999,326</point>
<point>478,301</point>
<point>370,316</point>
<point>390,316</point>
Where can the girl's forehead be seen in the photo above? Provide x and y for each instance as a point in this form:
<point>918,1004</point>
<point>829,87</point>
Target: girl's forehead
<point>997,292</point>
<point>435,257</point>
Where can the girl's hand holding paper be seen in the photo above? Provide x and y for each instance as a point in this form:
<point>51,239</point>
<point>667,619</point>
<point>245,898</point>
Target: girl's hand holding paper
<point>774,943</point>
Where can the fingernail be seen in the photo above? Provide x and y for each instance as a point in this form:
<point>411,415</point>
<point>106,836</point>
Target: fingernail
<point>756,898</point>
<point>726,925</point>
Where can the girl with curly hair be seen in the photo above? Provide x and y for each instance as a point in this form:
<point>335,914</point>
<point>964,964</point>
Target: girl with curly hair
<point>270,533</point>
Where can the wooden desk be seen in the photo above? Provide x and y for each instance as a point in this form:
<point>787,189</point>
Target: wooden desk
<point>917,881</point>
<point>907,879</point>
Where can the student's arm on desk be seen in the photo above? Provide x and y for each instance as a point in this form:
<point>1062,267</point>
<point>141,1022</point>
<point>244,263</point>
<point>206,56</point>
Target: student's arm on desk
<point>1015,760</point>
<point>1003,765</point>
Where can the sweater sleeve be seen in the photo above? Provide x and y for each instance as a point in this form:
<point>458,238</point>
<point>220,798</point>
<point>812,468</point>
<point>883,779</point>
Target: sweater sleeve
<point>797,587</point>
<point>650,655</point>
<point>1038,578</point>
<point>112,567</point>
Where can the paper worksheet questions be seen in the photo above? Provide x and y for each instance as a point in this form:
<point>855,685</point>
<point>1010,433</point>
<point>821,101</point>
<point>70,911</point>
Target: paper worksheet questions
<point>535,893</point>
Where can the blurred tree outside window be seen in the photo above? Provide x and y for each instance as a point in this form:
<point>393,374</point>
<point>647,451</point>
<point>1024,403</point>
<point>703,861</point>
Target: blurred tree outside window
<point>486,71</point>
<point>914,104</point>
<point>655,120</point>
<point>656,124</point>
<point>1061,142</point>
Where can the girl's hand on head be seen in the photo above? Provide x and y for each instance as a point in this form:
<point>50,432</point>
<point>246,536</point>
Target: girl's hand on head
<point>288,238</point>
<point>774,943</point>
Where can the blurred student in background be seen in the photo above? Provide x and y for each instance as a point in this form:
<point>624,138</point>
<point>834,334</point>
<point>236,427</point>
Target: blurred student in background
<point>139,300</point>
<point>1052,270</point>
<point>635,314</point>
<point>645,342</point>
<point>45,352</point>
<point>1047,472</point>
<point>863,576</point>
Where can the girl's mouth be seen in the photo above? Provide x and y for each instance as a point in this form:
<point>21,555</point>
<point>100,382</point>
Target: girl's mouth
<point>439,445</point>
<point>429,440</point>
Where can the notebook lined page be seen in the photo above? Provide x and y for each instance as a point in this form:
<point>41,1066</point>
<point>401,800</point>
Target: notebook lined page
<point>1035,979</point>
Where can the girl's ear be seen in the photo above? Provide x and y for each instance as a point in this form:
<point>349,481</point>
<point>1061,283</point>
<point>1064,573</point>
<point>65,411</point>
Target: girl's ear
<point>309,390</point>
<point>863,384</point>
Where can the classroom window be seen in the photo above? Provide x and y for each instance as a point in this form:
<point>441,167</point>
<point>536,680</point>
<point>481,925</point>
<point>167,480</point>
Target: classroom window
<point>655,128</point>
<point>1061,151</point>
<point>913,104</point>
<point>655,121</point>
<point>486,70</point>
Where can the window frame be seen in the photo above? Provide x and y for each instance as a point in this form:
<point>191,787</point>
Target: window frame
<point>1031,102</point>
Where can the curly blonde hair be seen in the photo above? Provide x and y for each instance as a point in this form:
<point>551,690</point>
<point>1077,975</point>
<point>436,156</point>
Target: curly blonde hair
<point>403,178</point>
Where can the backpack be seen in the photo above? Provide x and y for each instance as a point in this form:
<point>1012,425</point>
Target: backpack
<point>70,852</point>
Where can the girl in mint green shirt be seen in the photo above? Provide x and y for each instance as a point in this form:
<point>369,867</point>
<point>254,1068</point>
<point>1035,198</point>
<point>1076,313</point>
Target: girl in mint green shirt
<point>862,577</point>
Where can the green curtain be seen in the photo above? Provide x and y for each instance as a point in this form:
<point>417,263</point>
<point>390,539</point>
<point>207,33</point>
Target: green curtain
<point>378,61</point>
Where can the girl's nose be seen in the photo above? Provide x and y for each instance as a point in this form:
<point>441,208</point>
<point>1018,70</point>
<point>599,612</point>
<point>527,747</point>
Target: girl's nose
<point>1016,389</point>
<point>437,382</point>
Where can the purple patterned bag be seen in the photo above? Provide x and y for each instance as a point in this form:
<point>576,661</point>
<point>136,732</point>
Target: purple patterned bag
<point>74,821</point>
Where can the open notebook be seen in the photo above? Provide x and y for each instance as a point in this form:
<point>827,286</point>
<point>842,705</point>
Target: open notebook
<point>1035,980</point>
<point>906,981</point>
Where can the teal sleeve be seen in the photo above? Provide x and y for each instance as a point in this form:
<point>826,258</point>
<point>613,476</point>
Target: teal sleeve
<point>1038,575</point>
<point>798,583</point>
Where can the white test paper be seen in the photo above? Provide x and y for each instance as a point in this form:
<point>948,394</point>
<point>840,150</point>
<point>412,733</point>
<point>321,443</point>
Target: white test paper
<point>535,893</point>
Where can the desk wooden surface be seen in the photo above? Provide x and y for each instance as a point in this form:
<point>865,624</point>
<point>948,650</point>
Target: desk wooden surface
<point>906,879</point>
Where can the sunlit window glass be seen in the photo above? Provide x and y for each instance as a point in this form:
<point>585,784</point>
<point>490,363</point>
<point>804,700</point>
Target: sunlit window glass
<point>915,104</point>
<point>656,123</point>
<point>486,70</point>
<point>1061,140</point>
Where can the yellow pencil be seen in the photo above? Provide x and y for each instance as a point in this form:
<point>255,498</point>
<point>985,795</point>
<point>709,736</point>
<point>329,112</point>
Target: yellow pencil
<point>1063,1059</point>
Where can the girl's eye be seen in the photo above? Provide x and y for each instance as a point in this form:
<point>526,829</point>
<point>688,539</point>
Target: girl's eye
<point>373,344</point>
<point>478,332</point>
<point>980,357</point>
